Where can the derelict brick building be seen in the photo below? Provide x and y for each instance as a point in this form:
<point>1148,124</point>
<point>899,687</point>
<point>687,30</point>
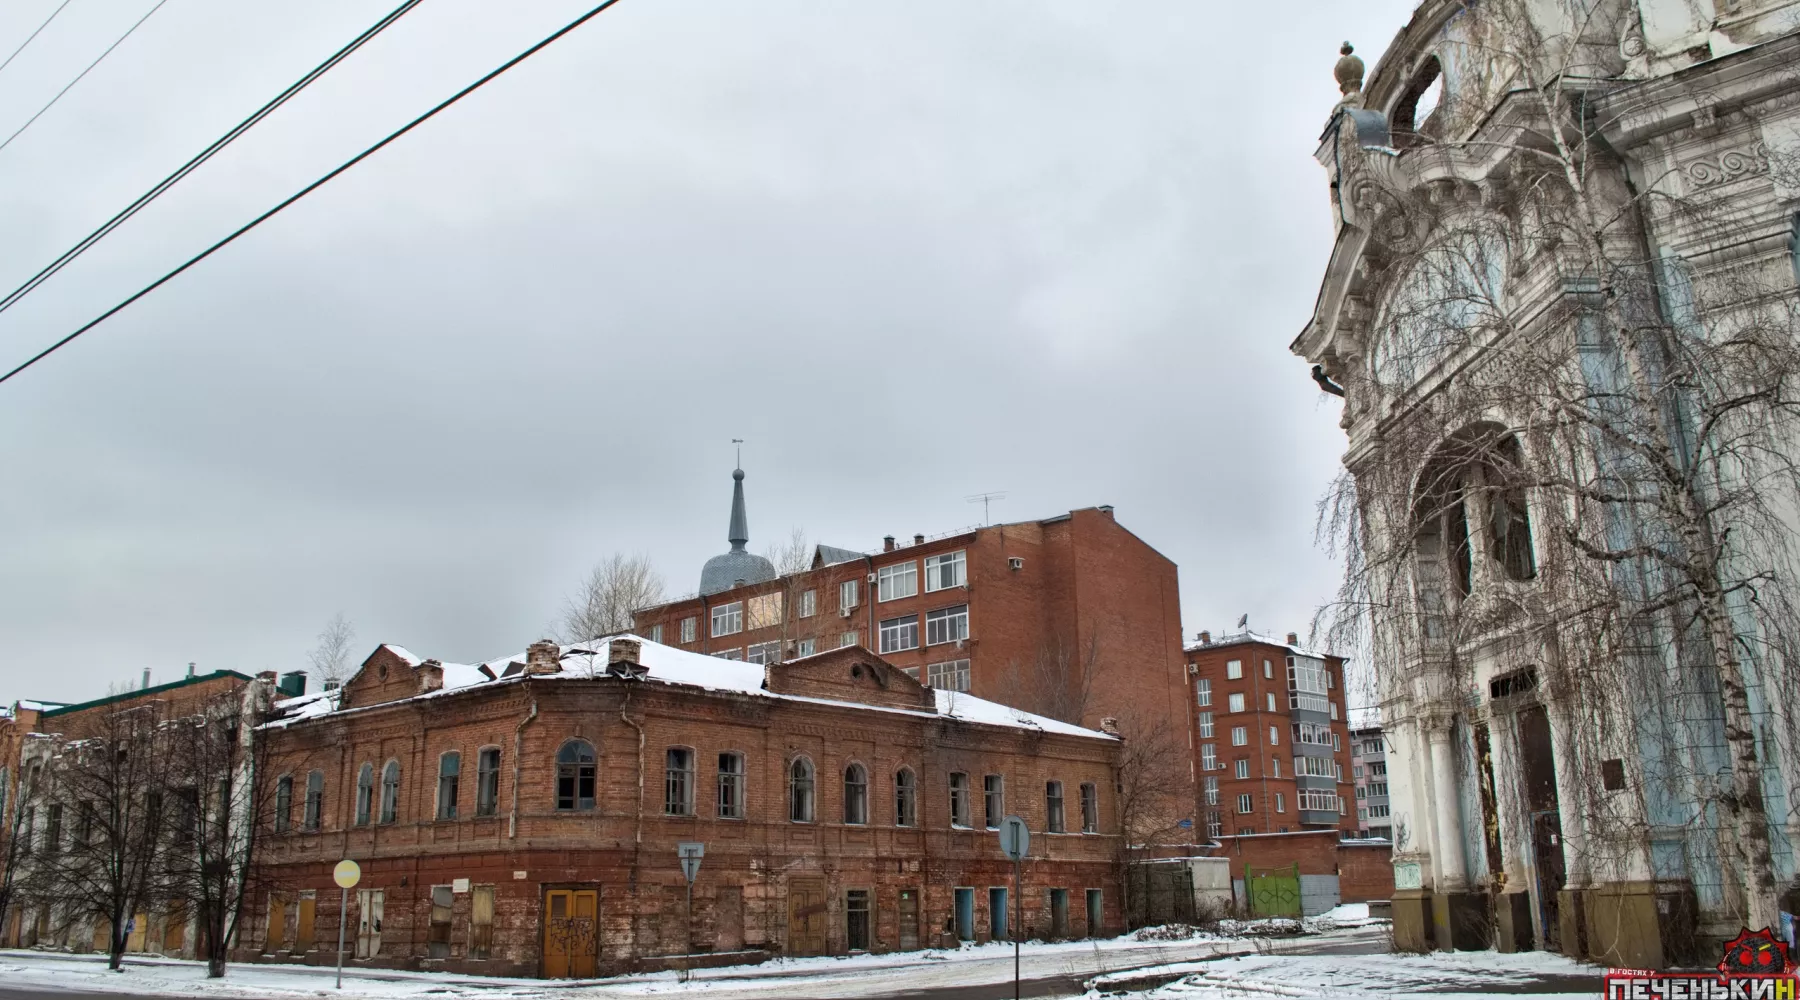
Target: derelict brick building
<point>522,816</point>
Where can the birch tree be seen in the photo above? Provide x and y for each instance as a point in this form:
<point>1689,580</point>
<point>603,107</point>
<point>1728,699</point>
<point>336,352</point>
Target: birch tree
<point>615,588</point>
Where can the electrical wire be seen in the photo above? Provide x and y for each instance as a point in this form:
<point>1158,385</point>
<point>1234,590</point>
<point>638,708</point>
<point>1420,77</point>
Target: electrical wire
<point>33,35</point>
<point>206,154</point>
<point>78,76</point>
<point>315,185</point>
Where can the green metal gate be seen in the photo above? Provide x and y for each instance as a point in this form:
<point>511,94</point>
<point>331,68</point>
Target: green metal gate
<point>1273,892</point>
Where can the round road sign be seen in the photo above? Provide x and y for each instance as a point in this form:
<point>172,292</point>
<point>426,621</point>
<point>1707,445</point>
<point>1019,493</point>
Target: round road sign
<point>347,874</point>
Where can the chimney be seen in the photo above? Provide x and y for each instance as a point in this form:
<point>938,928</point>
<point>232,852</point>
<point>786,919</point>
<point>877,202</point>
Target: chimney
<point>1109,725</point>
<point>190,670</point>
<point>266,676</point>
<point>1293,639</point>
<point>627,651</point>
<point>146,686</point>
<point>1106,509</point>
<point>293,684</point>
<point>918,539</point>
<point>887,544</point>
<point>543,657</point>
<point>1205,637</point>
<point>430,674</point>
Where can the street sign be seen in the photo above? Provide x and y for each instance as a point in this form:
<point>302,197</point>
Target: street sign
<point>690,853</point>
<point>346,874</point>
<point>1015,838</point>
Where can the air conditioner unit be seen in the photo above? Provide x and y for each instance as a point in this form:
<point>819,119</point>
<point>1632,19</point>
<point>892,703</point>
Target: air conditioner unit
<point>959,643</point>
<point>845,612</point>
<point>1015,562</point>
<point>1193,668</point>
<point>871,578</point>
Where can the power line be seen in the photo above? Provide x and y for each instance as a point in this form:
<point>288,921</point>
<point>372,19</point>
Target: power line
<point>78,76</point>
<point>28,40</point>
<point>206,154</point>
<point>315,185</point>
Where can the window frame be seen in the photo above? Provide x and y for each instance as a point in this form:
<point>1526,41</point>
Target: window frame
<point>959,569</point>
<point>856,794</point>
<point>849,594</point>
<point>993,800</point>
<point>284,803</point>
<point>1234,670</point>
<point>902,627</point>
<point>448,784</point>
<point>312,809</point>
<point>390,793</point>
<point>1090,807</point>
<point>889,578</point>
<point>690,628</point>
<point>906,798</point>
<point>487,782</point>
<point>726,619</point>
<point>1203,692</point>
<point>679,781</point>
<point>1240,736</point>
<point>1234,702</point>
<point>952,625</point>
<point>365,794</point>
<point>731,786</point>
<point>809,603</point>
<point>576,771</point>
<point>960,818</point>
<point>803,790</point>
<point>1054,821</point>
<point>1246,803</point>
<point>955,671</point>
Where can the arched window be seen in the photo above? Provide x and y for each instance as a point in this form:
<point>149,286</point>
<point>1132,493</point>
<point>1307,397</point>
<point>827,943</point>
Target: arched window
<point>1422,96</point>
<point>449,773</point>
<point>390,792</point>
<point>678,782</point>
<point>959,799</point>
<point>906,798</point>
<point>487,781</point>
<point>1053,807</point>
<point>801,792</point>
<point>856,794</point>
<point>365,793</point>
<point>731,785</point>
<point>284,802</point>
<point>1473,487</point>
<point>315,801</point>
<point>575,776</point>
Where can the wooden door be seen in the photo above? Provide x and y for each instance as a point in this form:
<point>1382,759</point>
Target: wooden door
<point>174,927</point>
<point>909,920</point>
<point>276,940</point>
<point>304,938</point>
<point>728,918</point>
<point>571,933</point>
<point>806,919</point>
<point>368,926</point>
<point>140,929</point>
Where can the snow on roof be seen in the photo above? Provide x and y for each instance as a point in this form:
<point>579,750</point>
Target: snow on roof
<point>403,653</point>
<point>678,666</point>
<point>1245,637</point>
<point>41,706</point>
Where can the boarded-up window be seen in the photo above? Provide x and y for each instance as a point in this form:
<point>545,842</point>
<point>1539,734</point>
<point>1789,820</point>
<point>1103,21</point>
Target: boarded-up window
<point>437,944</point>
<point>481,921</point>
<point>762,612</point>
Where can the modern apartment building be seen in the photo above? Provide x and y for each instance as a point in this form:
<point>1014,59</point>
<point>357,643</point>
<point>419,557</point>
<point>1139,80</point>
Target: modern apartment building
<point>1368,768</point>
<point>1072,616</point>
<point>1273,742</point>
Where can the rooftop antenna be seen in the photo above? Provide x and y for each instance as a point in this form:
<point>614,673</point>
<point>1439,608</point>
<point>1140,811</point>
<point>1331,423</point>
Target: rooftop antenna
<point>984,499</point>
<point>740,451</point>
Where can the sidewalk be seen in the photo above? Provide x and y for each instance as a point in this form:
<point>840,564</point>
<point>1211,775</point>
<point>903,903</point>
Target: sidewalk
<point>1359,977</point>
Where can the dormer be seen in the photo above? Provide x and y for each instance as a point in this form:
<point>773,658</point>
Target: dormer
<point>849,673</point>
<point>391,674</point>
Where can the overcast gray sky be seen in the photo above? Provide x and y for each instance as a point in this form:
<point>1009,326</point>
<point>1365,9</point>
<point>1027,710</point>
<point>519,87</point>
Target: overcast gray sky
<point>910,252</point>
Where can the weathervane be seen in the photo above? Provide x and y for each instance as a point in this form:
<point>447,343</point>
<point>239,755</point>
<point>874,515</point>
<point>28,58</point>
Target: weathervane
<point>740,451</point>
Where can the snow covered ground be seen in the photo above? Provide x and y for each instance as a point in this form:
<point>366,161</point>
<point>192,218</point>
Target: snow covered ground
<point>860,975</point>
<point>1437,976</point>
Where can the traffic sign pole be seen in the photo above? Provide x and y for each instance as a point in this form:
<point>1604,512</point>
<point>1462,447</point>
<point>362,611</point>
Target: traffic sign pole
<point>1018,911</point>
<point>346,874</point>
<point>1015,843</point>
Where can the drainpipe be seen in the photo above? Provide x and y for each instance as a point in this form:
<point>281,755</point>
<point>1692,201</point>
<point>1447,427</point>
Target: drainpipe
<point>637,847</point>
<point>512,819</point>
<point>869,602</point>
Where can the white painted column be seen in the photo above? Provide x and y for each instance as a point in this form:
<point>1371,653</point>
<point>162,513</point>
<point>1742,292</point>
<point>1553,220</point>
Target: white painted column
<point>1452,868</point>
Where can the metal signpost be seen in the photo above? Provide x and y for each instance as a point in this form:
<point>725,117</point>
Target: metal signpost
<point>1015,842</point>
<point>690,852</point>
<point>346,875</point>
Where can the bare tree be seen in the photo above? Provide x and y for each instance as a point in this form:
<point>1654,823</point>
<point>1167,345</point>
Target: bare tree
<point>1153,790</point>
<point>15,791</point>
<point>223,799</point>
<point>1058,680</point>
<point>791,555</point>
<point>617,586</point>
<point>1585,475</point>
<point>100,796</point>
<point>331,657</point>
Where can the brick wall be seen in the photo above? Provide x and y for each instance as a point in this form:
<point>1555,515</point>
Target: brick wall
<point>1366,871</point>
<point>763,860</point>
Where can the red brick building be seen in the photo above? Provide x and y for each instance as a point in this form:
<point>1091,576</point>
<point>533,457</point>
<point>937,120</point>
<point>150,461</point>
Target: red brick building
<point>1273,742</point>
<point>1073,616</point>
<point>522,816</point>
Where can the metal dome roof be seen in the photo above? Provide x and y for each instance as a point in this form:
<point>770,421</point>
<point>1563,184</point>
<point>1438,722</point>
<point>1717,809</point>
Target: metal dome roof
<point>727,570</point>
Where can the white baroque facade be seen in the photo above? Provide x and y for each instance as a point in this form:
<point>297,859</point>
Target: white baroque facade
<point>1561,308</point>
